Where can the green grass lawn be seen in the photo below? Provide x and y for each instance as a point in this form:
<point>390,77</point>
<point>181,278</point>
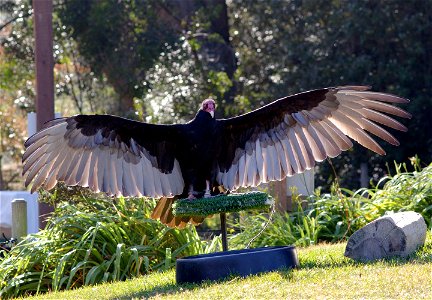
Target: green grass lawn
<point>324,273</point>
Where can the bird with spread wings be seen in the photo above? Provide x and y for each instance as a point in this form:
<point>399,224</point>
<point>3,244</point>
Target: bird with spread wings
<point>207,156</point>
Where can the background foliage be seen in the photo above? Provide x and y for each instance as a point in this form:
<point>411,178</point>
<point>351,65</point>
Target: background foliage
<point>156,60</point>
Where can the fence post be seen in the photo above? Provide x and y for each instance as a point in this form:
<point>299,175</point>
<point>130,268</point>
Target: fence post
<point>19,218</point>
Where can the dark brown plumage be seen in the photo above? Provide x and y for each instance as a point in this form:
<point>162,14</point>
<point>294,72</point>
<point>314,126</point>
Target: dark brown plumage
<point>286,137</point>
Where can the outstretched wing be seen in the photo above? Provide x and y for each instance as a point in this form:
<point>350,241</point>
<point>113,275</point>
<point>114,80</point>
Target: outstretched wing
<point>106,153</point>
<point>288,135</point>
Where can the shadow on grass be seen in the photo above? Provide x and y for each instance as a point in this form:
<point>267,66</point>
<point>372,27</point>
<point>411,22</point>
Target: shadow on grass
<point>158,290</point>
<point>167,289</point>
<point>171,288</point>
<point>422,256</point>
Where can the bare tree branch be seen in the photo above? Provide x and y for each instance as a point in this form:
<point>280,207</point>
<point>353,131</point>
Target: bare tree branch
<point>14,19</point>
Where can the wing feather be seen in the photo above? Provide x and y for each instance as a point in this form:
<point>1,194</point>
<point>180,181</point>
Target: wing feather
<point>241,169</point>
<point>33,158</point>
<point>34,170</point>
<point>351,129</point>
<point>386,108</point>
<point>295,153</point>
<point>139,179</point>
<point>84,180</point>
<point>318,151</point>
<point>251,169</point>
<point>35,146</point>
<point>157,182</point>
<point>51,180</point>
<point>323,144</point>
<point>81,175</point>
<point>282,154</point>
<point>291,163</point>
<point>118,165</point>
<point>103,174</point>
<point>340,139</point>
<point>378,131</point>
<point>382,119</point>
<point>275,156</point>
<point>41,176</point>
<point>377,96</point>
<point>293,158</point>
<point>70,177</point>
<point>65,164</point>
<point>94,170</point>
<point>166,187</point>
<point>128,181</point>
<point>268,163</point>
<point>147,171</point>
<point>330,147</point>
<point>114,183</point>
<point>305,147</point>
<point>260,162</point>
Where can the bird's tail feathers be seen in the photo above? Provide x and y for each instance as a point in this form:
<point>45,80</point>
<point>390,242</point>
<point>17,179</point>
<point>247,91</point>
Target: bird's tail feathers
<point>163,213</point>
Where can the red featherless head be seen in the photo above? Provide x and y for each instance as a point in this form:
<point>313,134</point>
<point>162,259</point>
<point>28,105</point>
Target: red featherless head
<point>209,106</point>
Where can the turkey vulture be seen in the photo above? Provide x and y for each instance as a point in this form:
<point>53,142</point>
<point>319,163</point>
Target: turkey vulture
<point>207,155</point>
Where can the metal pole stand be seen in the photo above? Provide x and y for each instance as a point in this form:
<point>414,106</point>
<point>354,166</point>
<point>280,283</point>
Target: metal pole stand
<point>224,232</point>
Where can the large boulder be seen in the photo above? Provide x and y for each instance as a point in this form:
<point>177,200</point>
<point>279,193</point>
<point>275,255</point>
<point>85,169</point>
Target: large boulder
<point>398,234</point>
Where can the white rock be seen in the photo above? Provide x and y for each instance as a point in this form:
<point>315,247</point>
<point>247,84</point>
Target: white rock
<point>398,234</point>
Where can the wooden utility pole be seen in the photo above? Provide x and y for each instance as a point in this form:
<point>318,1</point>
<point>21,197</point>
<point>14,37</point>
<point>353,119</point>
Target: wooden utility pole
<point>44,60</point>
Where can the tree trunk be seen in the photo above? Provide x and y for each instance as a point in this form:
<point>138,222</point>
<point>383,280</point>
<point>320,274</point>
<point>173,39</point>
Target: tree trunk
<point>225,59</point>
<point>364,178</point>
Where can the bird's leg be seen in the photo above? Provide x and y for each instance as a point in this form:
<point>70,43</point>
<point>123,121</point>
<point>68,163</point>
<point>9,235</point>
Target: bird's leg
<point>207,191</point>
<point>190,194</point>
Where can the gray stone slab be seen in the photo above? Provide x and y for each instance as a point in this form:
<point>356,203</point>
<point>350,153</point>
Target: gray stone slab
<point>399,234</point>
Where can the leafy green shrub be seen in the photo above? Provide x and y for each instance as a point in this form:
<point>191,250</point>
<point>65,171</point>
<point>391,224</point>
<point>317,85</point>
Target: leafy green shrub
<point>405,191</point>
<point>295,228</point>
<point>335,216</point>
<point>94,241</point>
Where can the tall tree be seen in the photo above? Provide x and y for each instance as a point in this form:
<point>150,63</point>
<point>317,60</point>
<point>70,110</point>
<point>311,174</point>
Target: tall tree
<point>122,40</point>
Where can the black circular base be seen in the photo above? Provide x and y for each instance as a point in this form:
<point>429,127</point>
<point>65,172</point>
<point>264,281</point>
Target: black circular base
<point>214,266</point>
